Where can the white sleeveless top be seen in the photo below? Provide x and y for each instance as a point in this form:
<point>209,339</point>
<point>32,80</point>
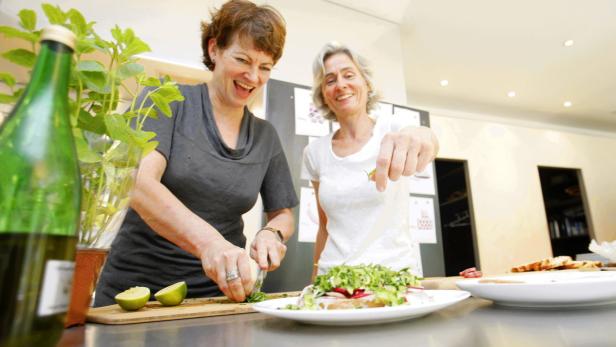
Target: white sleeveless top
<point>364,226</point>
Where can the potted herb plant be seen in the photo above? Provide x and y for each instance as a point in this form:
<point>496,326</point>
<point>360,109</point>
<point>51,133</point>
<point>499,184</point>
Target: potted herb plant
<point>107,117</point>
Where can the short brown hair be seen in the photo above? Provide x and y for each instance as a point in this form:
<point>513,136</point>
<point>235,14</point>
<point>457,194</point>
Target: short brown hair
<point>263,24</point>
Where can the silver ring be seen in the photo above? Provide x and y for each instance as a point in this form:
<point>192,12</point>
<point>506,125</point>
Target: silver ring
<point>232,275</point>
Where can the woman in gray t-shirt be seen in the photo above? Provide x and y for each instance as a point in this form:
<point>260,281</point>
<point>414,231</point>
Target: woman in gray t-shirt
<point>213,159</point>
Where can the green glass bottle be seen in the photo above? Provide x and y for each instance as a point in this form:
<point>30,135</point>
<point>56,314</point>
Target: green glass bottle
<point>40,195</point>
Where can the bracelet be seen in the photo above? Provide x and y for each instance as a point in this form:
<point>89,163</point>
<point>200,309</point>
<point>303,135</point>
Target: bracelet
<point>275,231</point>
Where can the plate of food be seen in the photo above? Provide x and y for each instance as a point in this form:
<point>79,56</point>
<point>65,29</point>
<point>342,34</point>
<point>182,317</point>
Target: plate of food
<point>359,295</point>
<point>548,289</point>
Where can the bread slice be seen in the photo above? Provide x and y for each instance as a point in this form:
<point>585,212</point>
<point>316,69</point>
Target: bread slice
<point>544,264</point>
<point>582,264</point>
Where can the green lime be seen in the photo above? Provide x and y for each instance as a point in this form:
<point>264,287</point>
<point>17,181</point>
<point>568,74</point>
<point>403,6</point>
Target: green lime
<point>133,298</point>
<point>172,295</point>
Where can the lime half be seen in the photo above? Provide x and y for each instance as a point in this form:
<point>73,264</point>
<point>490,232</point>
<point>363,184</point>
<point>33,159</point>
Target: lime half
<point>133,298</point>
<point>172,295</point>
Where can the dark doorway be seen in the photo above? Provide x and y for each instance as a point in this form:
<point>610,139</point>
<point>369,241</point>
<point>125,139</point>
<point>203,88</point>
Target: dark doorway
<point>456,216</point>
<point>565,210</point>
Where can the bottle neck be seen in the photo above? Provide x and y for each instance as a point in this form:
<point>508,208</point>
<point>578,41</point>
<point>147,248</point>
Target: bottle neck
<point>52,71</point>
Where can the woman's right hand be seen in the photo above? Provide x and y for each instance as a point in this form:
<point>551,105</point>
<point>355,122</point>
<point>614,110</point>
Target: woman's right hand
<point>228,266</point>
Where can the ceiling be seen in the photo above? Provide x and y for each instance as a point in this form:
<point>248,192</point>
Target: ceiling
<point>487,48</point>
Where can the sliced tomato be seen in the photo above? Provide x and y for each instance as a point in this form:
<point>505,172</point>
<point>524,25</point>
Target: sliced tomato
<point>342,291</point>
<point>359,293</point>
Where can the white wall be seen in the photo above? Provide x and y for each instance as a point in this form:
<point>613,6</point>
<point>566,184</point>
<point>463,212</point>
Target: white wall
<point>503,156</point>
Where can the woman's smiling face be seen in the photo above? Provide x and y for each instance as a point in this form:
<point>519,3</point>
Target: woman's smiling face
<point>344,88</point>
<point>240,70</point>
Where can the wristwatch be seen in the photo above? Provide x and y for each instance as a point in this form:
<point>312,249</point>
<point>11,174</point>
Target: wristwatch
<point>275,231</point>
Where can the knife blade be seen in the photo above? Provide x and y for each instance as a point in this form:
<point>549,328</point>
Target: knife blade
<point>260,277</point>
<point>259,282</point>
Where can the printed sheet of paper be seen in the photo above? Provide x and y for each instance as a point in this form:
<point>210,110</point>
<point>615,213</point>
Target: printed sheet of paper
<point>414,116</point>
<point>308,216</point>
<point>423,224</point>
<point>308,120</point>
<point>423,182</point>
<point>383,109</point>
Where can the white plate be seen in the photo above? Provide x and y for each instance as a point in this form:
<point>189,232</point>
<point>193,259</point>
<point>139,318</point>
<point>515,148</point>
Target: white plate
<point>548,289</point>
<point>417,307</point>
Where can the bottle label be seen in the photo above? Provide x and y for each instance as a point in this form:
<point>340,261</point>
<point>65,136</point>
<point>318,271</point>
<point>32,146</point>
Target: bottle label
<point>56,290</point>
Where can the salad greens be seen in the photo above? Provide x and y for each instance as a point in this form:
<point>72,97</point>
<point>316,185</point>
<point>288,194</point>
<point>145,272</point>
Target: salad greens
<point>388,287</point>
<point>256,297</point>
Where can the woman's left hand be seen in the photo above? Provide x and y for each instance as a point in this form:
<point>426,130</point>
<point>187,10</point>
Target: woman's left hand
<point>404,153</point>
<point>267,245</point>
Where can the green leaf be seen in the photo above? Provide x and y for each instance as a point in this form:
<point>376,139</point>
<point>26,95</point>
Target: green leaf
<point>161,103</point>
<point>90,65</point>
<point>96,81</point>
<point>7,98</point>
<point>95,124</point>
<point>79,23</point>
<point>27,19</point>
<point>151,82</point>
<point>149,112</point>
<point>170,93</point>
<point>21,57</point>
<point>129,35</point>
<point>85,46</point>
<point>136,46</point>
<point>116,33</point>
<point>118,129</point>
<point>142,137</point>
<point>102,44</point>
<point>84,152</point>
<point>8,79</point>
<point>149,147</point>
<point>129,70</point>
<point>10,32</point>
<point>54,14</point>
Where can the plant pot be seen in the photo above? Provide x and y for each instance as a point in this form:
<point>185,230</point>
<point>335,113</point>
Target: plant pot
<point>88,264</point>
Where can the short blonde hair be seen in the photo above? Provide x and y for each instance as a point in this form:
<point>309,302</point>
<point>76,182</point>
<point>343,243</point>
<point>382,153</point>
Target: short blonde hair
<point>318,74</point>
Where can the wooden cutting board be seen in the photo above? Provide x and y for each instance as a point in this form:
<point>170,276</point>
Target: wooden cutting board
<point>190,308</point>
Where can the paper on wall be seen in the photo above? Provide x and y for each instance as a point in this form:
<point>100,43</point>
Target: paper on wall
<point>423,182</point>
<point>414,116</point>
<point>423,224</point>
<point>382,108</point>
<point>308,120</point>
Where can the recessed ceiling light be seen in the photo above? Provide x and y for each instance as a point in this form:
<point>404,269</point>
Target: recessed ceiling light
<point>444,83</point>
<point>568,43</point>
<point>511,94</point>
<point>567,103</point>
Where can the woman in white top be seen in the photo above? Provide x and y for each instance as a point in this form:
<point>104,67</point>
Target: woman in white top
<point>361,222</point>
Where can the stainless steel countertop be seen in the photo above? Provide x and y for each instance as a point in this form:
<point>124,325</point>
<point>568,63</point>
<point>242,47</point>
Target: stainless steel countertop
<point>473,322</point>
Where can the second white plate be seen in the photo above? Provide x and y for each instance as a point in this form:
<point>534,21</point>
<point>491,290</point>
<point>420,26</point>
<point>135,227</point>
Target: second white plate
<point>547,289</point>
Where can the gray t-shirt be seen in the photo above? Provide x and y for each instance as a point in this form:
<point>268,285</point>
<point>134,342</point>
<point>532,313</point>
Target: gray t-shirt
<point>217,183</point>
